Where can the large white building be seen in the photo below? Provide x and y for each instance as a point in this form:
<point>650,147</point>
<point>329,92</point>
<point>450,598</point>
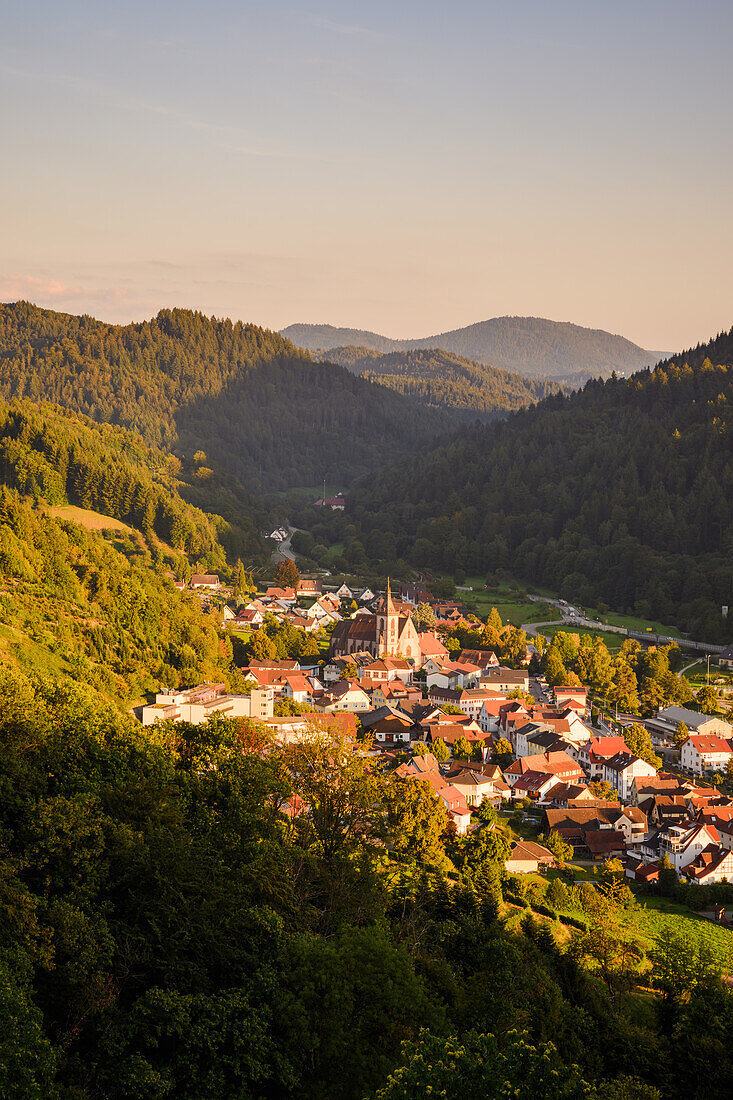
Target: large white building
<point>197,704</point>
<point>706,752</point>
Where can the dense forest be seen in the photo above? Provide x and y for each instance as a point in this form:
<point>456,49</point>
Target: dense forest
<point>442,379</point>
<point>99,606</point>
<point>53,455</point>
<point>169,932</point>
<point>620,494</point>
<point>260,410</point>
<point>531,346</point>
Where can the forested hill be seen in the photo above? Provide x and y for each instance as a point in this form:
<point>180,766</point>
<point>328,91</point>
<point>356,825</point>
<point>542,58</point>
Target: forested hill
<point>620,493</point>
<point>439,378</point>
<point>531,346</point>
<point>718,350</point>
<point>87,596</point>
<point>260,409</point>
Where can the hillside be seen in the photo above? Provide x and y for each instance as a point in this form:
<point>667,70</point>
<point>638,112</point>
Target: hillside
<point>260,410</point>
<point>91,521</point>
<point>620,493</point>
<point>531,346</point>
<point>442,379</point>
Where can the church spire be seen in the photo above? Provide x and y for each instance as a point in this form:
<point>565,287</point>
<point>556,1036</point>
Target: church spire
<point>389,606</point>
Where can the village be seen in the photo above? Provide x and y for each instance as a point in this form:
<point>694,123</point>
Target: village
<point>480,733</point>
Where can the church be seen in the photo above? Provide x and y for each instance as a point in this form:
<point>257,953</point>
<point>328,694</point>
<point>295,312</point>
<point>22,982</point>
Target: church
<point>386,634</point>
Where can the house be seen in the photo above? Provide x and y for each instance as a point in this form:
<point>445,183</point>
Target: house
<point>633,824</point>
<point>564,794</point>
<point>526,858</point>
<point>279,534</point>
<point>365,596</point>
<point>528,731</point>
<point>713,864</point>
<point>574,822</point>
<point>725,659</point>
<point>308,586</point>
<point>270,673</point>
<point>450,674</point>
<point>299,688</point>
<point>558,764</point>
<point>533,785</point>
<point>645,787</point>
<point>208,581</point>
<point>706,752</point>
<point>387,725</point>
<point>250,618</point>
<point>477,787</point>
<point>395,693</point>
<point>640,871</point>
<point>605,844</point>
<point>344,592</point>
<point>415,594</point>
<point>490,713</point>
<point>196,705</point>
<point>343,695</point>
<point>419,765</point>
<point>336,504</point>
<point>294,727</point>
<point>505,679</point>
<point>484,659</point>
<point>594,754</point>
<point>624,767</point>
<point>449,732</point>
<point>574,697</point>
<point>454,802</point>
<point>683,843</point>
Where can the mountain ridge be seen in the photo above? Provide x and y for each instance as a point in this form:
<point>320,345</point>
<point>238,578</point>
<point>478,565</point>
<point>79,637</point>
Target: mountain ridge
<point>442,379</point>
<point>531,346</point>
<point>618,494</point>
<point>262,411</point>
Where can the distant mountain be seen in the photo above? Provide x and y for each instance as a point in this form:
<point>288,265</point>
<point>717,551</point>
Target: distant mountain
<point>442,379</point>
<point>620,493</point>
<point>260,410</point>
<point>531,346</point>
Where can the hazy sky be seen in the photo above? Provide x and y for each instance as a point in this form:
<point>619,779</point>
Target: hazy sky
<point>407,167</point>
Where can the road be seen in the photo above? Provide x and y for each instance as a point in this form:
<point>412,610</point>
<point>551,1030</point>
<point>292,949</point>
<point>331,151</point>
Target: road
<point>283,550</point>
<point>571,618</point>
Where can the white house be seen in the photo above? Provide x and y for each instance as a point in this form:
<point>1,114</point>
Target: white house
<point>622,769</point>
<point>344,695</point>
<point>705,752</point>
<point>684,843</point>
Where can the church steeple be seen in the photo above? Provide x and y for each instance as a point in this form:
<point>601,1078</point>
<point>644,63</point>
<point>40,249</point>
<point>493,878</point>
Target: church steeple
<point>387,626</point>
<point>389,607</point>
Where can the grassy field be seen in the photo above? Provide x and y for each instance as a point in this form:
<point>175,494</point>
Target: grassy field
<point>657,915</point>
<point>509,599</point>
<point>306,494</point>
<point>18,649</point>
<point>653,916</point>
<point>93,521</point>
<point>632,622</point>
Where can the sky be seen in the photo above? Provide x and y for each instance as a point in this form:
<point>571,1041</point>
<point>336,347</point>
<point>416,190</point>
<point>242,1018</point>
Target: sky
<point>408,168</point>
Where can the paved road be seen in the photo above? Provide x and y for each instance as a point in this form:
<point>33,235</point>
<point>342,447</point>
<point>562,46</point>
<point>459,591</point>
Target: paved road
<point>283,550</point>
<point>572,618</point>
